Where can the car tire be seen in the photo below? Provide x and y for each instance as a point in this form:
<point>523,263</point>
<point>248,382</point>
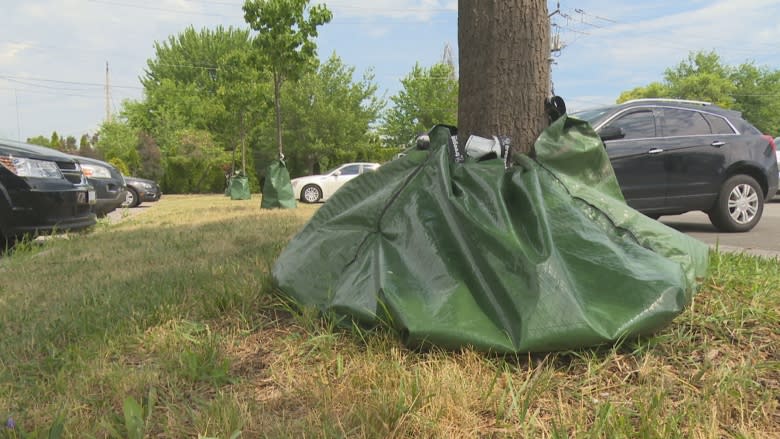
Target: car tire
<point>739,206</point>
<point>131,198</point>
<point>311,193</point>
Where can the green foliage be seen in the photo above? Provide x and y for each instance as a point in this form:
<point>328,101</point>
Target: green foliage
<point>195,163</point>
<point>329,118</point>
<point>117,140</point>
<point>85,148</point>
<point>652,90</point>
<point>429,96</point>
<point>198,80</point>
<point>756,97</point>
<point>150,158</point>
<point>121,165</point>
<point>39,140</point>
<point>703,76</point>
<point>55,141</point>
<point>136,419</point>
<point>286,32</point>
<point>285,41</point>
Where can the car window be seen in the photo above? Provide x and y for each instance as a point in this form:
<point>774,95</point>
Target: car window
<point>350,170</point>
<point>679,122</point>
<point>718,124</point>
<point>636,124</point>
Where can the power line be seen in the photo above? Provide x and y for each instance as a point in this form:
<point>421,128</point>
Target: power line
<point>57,81</point>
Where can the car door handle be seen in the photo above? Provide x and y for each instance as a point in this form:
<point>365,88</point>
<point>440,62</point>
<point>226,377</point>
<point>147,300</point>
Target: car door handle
<point>717,143</point>
<point>655,151</point>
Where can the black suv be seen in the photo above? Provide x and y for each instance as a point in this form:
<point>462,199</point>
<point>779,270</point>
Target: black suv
<point>41,191</point>
<point>673,156</point>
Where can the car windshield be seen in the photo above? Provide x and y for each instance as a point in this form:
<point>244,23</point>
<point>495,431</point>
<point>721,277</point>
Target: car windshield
<point>593,115</point>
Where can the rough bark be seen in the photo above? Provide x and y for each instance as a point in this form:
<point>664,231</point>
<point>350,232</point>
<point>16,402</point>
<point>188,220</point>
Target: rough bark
<point>504,50</point>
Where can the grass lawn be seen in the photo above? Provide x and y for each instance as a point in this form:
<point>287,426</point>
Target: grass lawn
<point>164,324</point>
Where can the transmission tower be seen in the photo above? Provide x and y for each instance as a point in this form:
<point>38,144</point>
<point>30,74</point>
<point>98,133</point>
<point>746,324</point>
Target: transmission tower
<point>447,58</point>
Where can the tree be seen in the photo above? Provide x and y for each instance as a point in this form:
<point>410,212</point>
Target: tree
<point>39,140</point>
<point>652,90</point>
<point>85,148</point>
<point>117,143</point>
<point>329,117</point>
<point>285,41</point>
<point>428,96</point>
<point>756,96</point>
<point>150,158</point>
<point>703,76</point>
<point>196,163</point>
<point>70,145</point>
<point>200,80</point>
<point>504,47</point>
<point>55,141</point>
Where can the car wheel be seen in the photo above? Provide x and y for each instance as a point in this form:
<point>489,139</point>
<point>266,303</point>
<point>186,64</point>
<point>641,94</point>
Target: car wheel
<point>311,194</point>
<point>739,205</point>
<point>131,198</point>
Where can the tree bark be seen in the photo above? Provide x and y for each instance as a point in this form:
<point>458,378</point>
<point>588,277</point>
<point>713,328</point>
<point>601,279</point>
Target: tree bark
<point>504,51</point>
<point>278,110</point>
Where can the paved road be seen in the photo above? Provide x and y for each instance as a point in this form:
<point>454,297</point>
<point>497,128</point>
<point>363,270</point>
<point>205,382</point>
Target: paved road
<point>763,240</point>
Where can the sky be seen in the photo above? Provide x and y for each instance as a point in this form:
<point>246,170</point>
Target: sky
<point>53,53</point>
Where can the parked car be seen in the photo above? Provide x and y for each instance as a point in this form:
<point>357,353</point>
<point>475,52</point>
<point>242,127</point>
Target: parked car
<point>674,156</point>
<point>314,188</point>
<point>108,183</point>
<point>42,191</point>
<point>140,190</point>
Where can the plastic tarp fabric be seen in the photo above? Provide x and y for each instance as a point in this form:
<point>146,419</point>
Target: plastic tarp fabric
<point>542,256</point>
<point>277,189</point>
<point>239,188</point>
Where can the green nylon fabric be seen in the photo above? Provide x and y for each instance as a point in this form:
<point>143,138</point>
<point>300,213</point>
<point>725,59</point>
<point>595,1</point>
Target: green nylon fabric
<point>277,189</point>
<point>543,256</point>
<point>239,188</point>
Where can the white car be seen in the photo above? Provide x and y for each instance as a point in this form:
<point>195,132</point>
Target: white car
<point>314,188</point>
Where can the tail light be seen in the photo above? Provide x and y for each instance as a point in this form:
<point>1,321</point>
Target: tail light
<point>771,142</point>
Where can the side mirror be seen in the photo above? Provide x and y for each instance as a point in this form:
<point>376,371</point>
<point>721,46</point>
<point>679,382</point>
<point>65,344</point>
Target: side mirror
<point>336,173</point>
<point>611,133</point>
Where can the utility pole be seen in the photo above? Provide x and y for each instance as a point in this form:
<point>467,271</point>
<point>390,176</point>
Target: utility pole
<point>108,94</point>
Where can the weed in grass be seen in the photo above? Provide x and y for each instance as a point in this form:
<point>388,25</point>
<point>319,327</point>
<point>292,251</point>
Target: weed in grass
<point>12,430</point>
<point>201,359</point>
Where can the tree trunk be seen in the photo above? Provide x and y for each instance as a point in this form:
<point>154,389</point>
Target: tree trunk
<point>278,110</point>
<point>504,51</point>
<point>242,129</point>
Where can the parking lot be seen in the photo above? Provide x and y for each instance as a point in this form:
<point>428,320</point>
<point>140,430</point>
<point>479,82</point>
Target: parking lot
<point>763,240</point>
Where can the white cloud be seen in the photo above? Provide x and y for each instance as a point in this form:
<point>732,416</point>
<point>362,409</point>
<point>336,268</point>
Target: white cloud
<point>637,46</point>
<point>418,10</point>
<point>9,52</point>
